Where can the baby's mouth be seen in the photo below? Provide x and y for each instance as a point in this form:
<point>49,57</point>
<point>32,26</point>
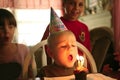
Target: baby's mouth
<point>70,57</point>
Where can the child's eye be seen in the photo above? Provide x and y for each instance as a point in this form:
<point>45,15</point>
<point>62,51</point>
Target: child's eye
<point>71,3</point>
<point>11,26</point>
<point>63,46</point>
<point>80,4</point>
<point>73,45</point>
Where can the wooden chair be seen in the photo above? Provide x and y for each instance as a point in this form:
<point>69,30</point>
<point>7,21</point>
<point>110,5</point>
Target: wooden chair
<point>102,43</point>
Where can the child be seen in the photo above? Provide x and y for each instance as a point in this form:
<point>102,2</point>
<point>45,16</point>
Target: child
<point>62,48</point>
<point>14,52</point>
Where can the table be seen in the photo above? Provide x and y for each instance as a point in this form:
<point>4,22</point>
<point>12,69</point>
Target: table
<point>91,76</point>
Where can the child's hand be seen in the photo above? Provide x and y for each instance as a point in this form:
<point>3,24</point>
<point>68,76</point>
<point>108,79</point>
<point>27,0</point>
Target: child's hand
<point>117,56</point>
<point>107,69</point>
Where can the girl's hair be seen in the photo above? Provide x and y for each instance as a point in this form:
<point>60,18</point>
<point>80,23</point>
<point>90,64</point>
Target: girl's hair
<point>7,15</point>
<point>64,1</point>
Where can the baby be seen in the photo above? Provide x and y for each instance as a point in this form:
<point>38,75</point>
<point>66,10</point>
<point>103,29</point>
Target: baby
<point>63,49</point>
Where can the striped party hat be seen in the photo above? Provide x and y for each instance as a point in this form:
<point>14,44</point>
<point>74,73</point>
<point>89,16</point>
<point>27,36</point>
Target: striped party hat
<point>55,23</point>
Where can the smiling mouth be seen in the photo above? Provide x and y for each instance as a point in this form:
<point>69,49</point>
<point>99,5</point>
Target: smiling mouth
<point>70,57</point>
<point>75,12</point>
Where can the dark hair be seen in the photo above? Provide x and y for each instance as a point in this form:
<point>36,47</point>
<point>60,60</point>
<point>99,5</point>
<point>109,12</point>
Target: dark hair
<point>64,1</point>
<point>7,15</point>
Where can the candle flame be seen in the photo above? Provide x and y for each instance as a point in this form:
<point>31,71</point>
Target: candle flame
<point>80,62</point>
<point>80,58</point>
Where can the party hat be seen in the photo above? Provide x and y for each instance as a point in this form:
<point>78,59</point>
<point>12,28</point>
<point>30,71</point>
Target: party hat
<point>55,23</point>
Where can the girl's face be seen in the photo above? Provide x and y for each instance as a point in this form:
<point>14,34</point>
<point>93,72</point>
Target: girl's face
<point>6,33</point>
<point>65,50</point>
<point>73,9</point>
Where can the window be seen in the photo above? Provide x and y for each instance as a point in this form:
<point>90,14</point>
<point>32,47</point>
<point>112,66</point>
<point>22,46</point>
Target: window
<point>32,24</point>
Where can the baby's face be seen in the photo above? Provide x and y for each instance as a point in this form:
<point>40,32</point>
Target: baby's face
<point>65,50</point>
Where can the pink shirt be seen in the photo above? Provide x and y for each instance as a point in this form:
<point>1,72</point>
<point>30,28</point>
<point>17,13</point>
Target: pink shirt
<point>20,56</point>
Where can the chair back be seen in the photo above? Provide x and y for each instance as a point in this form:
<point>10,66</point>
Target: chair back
<point>101,40</point>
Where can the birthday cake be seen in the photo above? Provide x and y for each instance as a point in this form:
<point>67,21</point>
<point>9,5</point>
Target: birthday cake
<point>80,71</point>
<point>80,75</point>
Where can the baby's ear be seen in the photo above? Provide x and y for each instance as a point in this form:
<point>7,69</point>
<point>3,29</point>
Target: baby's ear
<point>49,52</point>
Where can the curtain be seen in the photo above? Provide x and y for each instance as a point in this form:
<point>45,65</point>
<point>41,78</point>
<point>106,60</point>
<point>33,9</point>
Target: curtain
<point>6,3</point>
<point>116,24</point>
<point>31,4</point>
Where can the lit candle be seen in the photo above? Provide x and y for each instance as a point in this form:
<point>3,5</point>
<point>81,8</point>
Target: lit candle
<point>80,71</point>
<point>80,62</point>
<point>81,59</point>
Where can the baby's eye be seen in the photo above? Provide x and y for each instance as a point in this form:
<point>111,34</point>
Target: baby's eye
<point>73,45</point>
<point>64,46</point>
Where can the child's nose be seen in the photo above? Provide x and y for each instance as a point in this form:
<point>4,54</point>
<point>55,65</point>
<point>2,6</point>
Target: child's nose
<point>6,29</point>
